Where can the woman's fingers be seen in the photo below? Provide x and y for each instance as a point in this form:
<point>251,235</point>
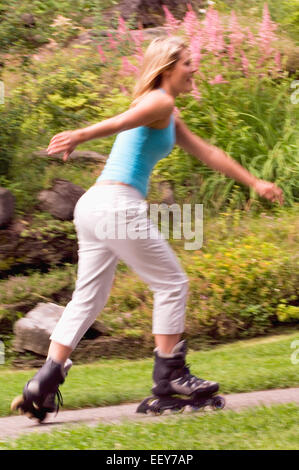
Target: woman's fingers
<point>59,142</point>
<point>59,146</point>
<point>269,191</point>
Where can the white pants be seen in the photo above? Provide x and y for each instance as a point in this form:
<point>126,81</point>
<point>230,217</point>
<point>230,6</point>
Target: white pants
<point>102,216</point>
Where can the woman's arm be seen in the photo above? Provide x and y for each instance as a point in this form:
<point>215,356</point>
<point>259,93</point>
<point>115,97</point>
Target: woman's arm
<point>218,160</point>
<point>153,107</point>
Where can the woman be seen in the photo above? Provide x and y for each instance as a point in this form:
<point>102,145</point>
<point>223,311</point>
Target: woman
<point>146,133</point>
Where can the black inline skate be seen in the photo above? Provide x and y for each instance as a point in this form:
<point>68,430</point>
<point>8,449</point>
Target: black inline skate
<point>39,394</point>
<point>172,378</point>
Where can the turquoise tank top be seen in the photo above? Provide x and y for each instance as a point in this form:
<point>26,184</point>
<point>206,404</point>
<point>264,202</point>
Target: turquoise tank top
<point>135,153</point>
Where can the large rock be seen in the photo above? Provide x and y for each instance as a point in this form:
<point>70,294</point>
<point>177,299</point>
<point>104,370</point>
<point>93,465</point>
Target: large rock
<point>7,206</point>
<point>23,247</point>
<point>32,333</point>
<point>60,201</point>
<point>149,13</point>
<point>167,194</point>
<point>84,155</point>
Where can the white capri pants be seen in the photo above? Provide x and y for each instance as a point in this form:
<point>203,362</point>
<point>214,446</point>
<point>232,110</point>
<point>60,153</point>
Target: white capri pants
<point>107,219</point>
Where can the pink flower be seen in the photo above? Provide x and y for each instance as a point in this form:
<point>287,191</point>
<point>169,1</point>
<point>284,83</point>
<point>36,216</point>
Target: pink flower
<point>138,38</point>
<point>266,32</point>
<point>127,67</point>
<point>122,29</point>
<point>190,22</point>
<point>236,37</point>
<point>176,111</point>
<point>251,38</point>
<point>123,90</point>
<point>101,52</point>
<point>172,23</point>
<point>218,79</point>
<point>213,32</point>
<point>245,64</point>
<point>112,43</point>
<point>195,48</point>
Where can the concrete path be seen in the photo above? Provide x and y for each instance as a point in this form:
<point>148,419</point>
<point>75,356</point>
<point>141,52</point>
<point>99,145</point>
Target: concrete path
<point>13,426</point>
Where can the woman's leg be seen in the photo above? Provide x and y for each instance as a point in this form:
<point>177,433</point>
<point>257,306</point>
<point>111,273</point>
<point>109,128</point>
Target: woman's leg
<point>166,343</point>
<point>155,262</point>
<point>58,352</point>
<point>96,268</point>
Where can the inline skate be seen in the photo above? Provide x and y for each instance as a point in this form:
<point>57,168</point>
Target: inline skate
<point>39,394</point>
<point>176,388</point>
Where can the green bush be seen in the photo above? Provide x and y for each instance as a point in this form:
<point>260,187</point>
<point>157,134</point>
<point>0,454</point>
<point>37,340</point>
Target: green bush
<point>287,312</point>
<point>58,20</point>
<point>10,122</point>
<point>255,123</point>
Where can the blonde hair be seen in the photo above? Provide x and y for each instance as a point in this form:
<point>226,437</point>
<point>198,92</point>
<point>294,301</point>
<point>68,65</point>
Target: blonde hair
<point>161,54</point>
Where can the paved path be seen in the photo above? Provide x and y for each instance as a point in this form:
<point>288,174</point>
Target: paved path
<point>13,426</point>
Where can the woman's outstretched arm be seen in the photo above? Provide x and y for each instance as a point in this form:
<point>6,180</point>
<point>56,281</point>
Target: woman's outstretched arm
<point>155,106</point>
<point>218,160</point>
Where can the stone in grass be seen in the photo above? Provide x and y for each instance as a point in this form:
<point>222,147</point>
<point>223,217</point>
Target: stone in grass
<point>32,332</point>
<point>61,200</point>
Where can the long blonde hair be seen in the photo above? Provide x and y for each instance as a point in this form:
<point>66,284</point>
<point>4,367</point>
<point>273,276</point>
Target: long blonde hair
<point>161,54</point>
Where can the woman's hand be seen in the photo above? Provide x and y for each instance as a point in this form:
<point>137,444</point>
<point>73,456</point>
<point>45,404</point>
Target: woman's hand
<point>269,191</point>
<point>63,142</point>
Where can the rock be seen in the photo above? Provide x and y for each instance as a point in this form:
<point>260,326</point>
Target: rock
<point>76,155</point>
<point>167,195</point>
<point>7,206</point>
<point>87,21</point>
<point>292,63</point>
<point>60,201</point>
<point>32,332</point>
<point>22,248</point>
<point>150,12</point>
<point>28,20</point>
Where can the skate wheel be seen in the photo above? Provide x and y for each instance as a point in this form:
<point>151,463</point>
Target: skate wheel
<point>218,403</point>
<point>144,405</point>
<point>197,408</point>
<point>176,410</point>
<point>41,416</point>
<point>16,404</point>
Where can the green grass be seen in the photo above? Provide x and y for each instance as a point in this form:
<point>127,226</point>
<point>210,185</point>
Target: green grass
<point>243,366</point>
<point>258,428</point>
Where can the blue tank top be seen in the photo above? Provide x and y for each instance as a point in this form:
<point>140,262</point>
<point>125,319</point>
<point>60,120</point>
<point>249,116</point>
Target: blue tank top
<point>135,153</point>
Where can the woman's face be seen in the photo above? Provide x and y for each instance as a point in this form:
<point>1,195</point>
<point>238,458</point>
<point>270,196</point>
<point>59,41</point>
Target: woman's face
<point>180,76</point>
